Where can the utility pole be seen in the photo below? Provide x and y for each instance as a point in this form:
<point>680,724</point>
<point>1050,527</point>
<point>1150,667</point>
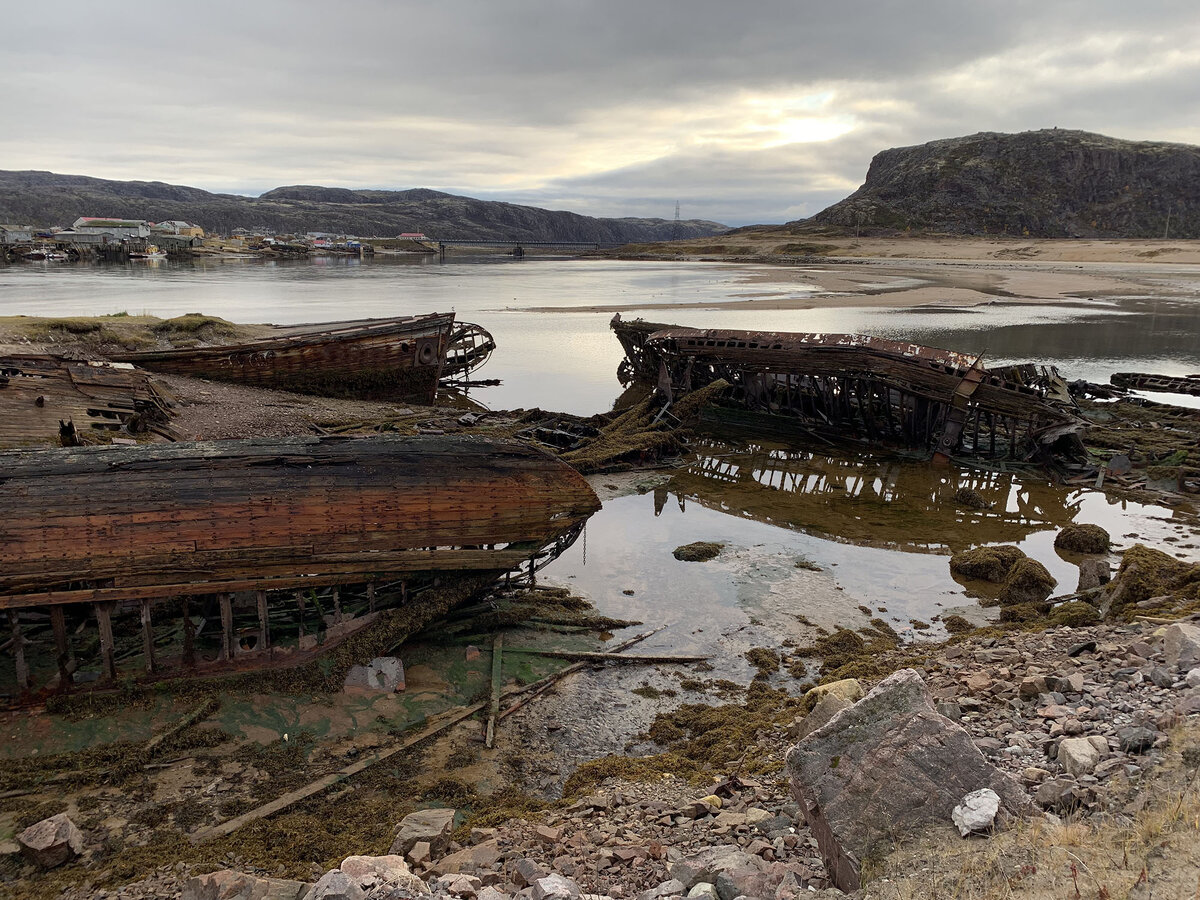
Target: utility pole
<point>1167,229</point>
<point>675,225</point>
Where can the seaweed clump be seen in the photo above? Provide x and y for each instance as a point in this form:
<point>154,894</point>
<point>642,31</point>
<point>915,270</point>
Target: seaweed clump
<point>957,625</point>
<point>1083,539</point>
<point>1074,613</point>
<point>1145,574</point>
<point>713,737</point>
<point>698,551</point>
<point>1028,582</point>
<point>763,659</point>
<point>986,563</point>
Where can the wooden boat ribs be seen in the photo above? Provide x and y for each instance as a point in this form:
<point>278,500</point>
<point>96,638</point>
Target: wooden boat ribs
<point>101,529</point>
<point>891,393</point>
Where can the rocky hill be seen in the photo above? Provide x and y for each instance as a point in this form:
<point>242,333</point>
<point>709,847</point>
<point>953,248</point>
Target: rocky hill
<point>1049,183</point>
<point>46,199</point>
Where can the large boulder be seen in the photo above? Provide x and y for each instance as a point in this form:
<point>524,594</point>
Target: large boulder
<point>1181,646</point>
<point>708,864</point>
<point>986,563</point>
<point>889,764</point>
<point>228,884</point>
<point>430,825</point>
<point>1028,582</point>
<point>372,873</point>
<point>51,842</point>
<point>1082,539</point>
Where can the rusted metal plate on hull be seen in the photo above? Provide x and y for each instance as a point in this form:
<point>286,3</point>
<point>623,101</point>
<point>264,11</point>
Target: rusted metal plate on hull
<point>158,522</point>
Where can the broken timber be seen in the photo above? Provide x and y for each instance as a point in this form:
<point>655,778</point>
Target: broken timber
<point>1169,384</point>
<point>402,357</point>
<point>890,393</point>
<point>46,401</point>
<point>100,531</point>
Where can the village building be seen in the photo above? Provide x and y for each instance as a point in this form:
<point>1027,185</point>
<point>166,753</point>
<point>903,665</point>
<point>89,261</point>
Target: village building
<point>175,226</point>
<point>119,228</point>
<point>16,234</point>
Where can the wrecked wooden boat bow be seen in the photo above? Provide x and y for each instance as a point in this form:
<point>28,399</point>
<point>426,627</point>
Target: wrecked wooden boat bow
<point>402,357</point>
<point>99,530</point>
<point>891,393</point>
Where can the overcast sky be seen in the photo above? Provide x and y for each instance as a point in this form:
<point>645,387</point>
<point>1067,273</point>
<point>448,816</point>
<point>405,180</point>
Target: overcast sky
<point>743,112</point>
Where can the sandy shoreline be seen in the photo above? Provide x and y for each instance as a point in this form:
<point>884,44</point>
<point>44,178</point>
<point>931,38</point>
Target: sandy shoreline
<point>958,282</point>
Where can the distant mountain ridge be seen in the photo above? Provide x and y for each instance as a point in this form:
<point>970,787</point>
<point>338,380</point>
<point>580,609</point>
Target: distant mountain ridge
<point>45,199</point>
<point>1049,183</point>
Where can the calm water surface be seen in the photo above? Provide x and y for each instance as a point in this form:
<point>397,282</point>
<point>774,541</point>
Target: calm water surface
<point>566,360</point>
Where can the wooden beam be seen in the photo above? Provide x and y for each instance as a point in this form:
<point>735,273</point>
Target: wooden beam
<point>189,634</point>
<point>147,636</point>
<point>227,647</point>
<point>497,684</point>
<point>264,630</point>
<point>62,645</point>
<point>18,651</point>
<point>103,612</point>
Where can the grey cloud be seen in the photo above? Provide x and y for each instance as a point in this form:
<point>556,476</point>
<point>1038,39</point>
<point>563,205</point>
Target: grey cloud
<point>617,107</point>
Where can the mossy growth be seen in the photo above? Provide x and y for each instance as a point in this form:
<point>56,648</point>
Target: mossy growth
<point>1074,613</point>
<point>957,625</point>
<point>1083,539</point>
<point>1023,612</point>
<point>763,659</point>
<point>698,551</point>
<point>195,326</point>
<point>1028,582</point>
<point>970,498</point>
<point>986,563</point>
<point>591,775</point>
<point>1145,573</point>
<point>713,737</point>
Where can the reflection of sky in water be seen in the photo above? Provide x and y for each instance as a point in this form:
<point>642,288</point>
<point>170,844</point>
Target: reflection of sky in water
<point>567,360</point>
<point>883,529</point>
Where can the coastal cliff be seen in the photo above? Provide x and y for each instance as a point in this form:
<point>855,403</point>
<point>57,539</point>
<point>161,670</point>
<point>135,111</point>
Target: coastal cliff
<point>1048,183</point>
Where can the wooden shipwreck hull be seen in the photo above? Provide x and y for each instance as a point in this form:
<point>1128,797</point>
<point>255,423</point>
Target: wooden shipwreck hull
<point>98,530</point>
<point>45,400</point>
<point>890,393</point>
<point>1168,384</point>
<point>400,357</point>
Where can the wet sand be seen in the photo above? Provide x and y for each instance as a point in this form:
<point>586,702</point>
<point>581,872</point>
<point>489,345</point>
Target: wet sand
<point>949,283</point>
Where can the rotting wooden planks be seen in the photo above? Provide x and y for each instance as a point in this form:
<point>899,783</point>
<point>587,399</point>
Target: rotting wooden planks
<point>106,523</point>
<point>101,400</point>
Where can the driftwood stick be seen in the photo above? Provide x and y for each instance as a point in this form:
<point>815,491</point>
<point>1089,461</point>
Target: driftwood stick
<point>440,724</point>
<point>607,657</point>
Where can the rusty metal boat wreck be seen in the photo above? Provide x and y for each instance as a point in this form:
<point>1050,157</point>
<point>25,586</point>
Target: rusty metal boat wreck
<point>238,529</point>
<point>402,357</point>
<point>893,394</point>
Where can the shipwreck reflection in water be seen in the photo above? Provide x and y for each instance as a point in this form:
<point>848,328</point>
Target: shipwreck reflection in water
<point>870,501</point>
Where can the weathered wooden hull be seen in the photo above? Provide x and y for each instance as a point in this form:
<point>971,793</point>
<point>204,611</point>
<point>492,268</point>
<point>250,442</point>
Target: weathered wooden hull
<point>100,400</point>
<point>113,523</point>
<point>399,357</point>
<point>1168,384</point>
<point>891,393</point>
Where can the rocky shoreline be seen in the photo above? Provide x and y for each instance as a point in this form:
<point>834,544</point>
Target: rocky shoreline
<point>1081,718</point>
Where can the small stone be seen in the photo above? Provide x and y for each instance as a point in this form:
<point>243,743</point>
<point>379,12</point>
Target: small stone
<point>1181,646</point>
<point>430,825</point>
<point>420,853</point>
<point>1135,738</point>
<point>703,890</point>
<point>547,835</point>
<point>524,872</point>
<point>1193,677</point>
<point>1081,648</point>
<point>336,885</point>
<point>1078,756</point>
<point>977,812</point>
<point>555,887</point>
